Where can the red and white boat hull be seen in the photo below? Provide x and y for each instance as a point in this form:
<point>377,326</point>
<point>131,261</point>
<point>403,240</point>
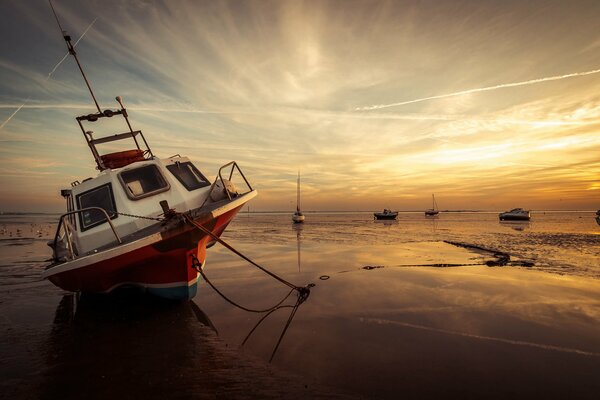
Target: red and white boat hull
<point>160,263</point>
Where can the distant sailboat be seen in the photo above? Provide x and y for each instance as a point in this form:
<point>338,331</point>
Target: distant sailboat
<point>298,217</point>
<point>434,210</point>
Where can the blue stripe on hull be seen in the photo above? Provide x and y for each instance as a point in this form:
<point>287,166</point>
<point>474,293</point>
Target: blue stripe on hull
<point>183,292</point>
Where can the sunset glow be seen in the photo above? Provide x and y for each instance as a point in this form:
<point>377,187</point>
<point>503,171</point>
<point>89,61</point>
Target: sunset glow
<point>489,105</point>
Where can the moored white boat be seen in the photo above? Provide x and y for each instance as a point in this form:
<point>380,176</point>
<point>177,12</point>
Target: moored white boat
<point>298,217</point>
<point>516,214</point>
<point>434,208</point>
<point>142,220</point>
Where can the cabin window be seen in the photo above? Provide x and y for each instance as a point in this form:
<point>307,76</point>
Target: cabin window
<point>101,196</point>
<point>143,182</point>
<point>188,175</point>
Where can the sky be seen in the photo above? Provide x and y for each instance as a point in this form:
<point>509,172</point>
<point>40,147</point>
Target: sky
<point>490,105</point>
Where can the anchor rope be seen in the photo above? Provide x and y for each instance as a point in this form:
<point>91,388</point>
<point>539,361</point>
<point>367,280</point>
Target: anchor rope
<point>198,267</point>
<point>303,291</point>
<point>238,253</point>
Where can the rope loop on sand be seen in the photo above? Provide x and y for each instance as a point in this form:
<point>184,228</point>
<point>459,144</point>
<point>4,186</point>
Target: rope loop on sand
<point>198,267</point>
<point>303,291</point>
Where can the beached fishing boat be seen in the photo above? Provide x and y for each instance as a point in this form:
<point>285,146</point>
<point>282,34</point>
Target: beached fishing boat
<point>386,214</point>
<point>298,217</point>
<point>142,219</point>
<point>434,208</point>
<point>516,214</point>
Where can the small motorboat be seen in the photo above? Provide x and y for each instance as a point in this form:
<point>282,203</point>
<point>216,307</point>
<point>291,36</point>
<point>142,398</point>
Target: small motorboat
<point>598,217</point>
<point>386,214</point>
<point>143,221</point>
<point>298,217</point>
<point>516,214</point>
<point>434,208</point>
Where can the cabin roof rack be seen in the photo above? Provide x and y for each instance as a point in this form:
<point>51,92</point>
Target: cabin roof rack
<point>118,159</point>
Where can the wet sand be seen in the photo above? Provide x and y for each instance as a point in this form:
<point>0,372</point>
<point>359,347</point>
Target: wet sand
<point>378,326</point>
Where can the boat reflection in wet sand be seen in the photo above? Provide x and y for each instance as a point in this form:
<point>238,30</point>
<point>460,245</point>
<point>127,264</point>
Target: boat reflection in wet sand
<point>516,225</point>
<point>114,346</point>
<point>140,221</point>
<point>516,214</point>
<point>386,214</point>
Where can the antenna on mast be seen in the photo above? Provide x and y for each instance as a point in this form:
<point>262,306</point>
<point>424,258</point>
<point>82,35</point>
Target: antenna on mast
<point>74,54</point>
<point>111,160</point>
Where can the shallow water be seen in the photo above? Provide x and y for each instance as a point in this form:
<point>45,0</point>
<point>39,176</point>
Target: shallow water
<point>378,323</point>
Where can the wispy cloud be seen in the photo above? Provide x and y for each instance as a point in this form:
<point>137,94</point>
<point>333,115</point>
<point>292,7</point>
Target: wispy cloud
<point>275,85</point>
<point>483,89</point>
<point>7,120</point>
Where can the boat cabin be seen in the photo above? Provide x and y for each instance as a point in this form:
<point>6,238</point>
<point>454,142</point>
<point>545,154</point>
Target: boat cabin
<point>133,190</point>
<point>136,189</point>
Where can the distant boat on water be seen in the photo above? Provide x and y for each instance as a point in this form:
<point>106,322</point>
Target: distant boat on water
<point>434,210</point>
<point>386,214</point>
<point>298,217</point>
<point>516,214</point>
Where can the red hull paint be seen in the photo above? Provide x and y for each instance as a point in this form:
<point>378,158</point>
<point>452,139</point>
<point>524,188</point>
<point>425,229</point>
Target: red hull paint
<point>164,263</point>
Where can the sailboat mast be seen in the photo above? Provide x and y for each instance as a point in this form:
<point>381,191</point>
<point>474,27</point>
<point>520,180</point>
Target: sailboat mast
<point>298,193</point>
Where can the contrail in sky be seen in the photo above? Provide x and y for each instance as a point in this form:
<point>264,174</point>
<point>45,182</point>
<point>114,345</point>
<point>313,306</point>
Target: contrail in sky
<point>49,74</point>
<point>484,89</point>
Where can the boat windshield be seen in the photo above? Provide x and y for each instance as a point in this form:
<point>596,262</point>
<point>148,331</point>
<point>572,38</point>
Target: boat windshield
<point>188,175</point>
<point>143,182</point>
<point>101,196</point>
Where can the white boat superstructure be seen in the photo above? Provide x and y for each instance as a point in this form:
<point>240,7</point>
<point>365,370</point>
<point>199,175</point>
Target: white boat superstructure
<point>135,190</point>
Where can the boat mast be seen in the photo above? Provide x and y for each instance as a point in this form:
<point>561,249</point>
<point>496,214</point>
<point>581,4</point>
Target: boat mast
<point>87,135</point>
<point>71,49</point>
<point>298,193</point>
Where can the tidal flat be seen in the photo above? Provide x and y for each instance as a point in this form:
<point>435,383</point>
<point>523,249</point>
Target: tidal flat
<point>398,310</point>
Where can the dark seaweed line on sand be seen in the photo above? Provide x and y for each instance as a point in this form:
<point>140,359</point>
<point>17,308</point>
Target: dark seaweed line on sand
<point>502,258</point>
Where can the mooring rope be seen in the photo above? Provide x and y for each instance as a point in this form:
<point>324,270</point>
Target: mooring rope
<point>198,267</point>
<point>300,289</point>
<point>303,291</point>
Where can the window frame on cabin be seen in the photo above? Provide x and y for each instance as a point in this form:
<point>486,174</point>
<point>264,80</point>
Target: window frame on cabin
<point>84,226</point>
<point>125,182</point>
